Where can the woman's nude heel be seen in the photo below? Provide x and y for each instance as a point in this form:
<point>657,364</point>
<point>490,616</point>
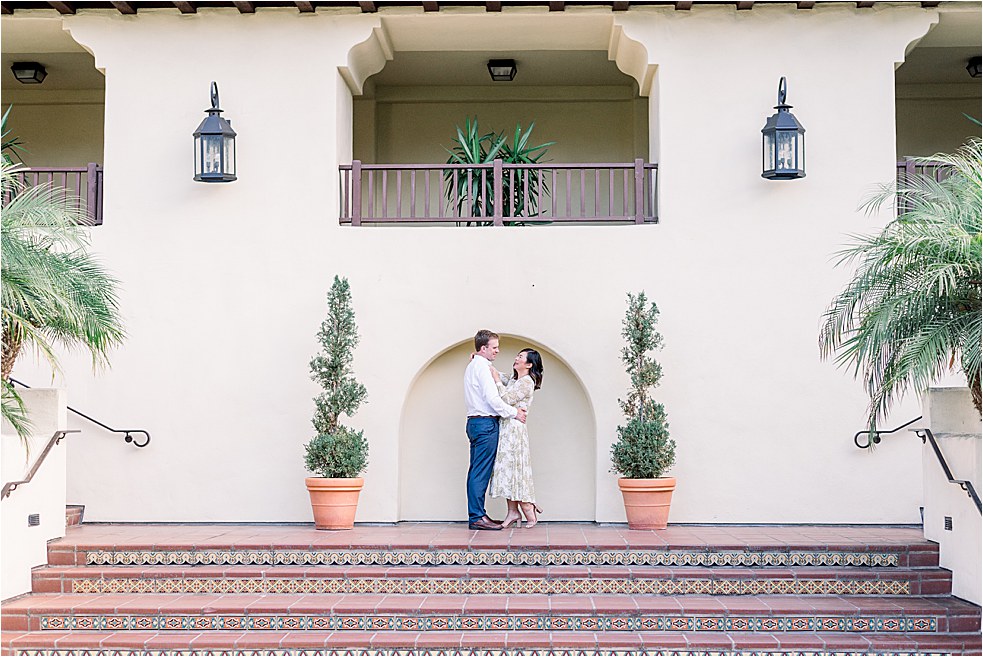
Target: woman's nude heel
<point>508,521</point>
<point>529,510</point>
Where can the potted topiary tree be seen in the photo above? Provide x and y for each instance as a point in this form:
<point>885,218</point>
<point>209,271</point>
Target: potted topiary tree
<point>337,454</point>
<point>644,450</point>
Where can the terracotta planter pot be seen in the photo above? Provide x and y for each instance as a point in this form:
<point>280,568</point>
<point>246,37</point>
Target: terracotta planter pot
<point>334,501</point>
<point>647,501</point>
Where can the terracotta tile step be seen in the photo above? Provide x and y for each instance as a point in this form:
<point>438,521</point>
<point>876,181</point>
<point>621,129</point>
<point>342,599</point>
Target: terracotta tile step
<point>142,612</point>
<point>548,535</point>
<point>491,579</point>
<point>589,642</point>
<point>541,555</point>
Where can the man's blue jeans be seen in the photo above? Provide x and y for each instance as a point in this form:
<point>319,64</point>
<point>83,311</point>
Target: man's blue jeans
<point>483,434</point>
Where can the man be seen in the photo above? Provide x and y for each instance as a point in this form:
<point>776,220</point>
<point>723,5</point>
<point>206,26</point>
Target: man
<point>485,408</point>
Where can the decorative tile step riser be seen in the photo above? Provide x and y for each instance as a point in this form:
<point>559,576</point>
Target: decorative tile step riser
<point>494,557</point>
<point>501,623</point>
<point>386,648</point>
<point>517,586</point>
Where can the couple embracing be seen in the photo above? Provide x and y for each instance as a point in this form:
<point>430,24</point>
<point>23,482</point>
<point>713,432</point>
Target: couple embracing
<point>497,404</point>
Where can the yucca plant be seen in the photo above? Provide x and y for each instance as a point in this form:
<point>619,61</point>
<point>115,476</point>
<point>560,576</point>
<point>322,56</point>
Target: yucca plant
<point>54,293</point>
<point>522,188</point>
<point>472,192</point>
<point>912,310</point>
<point>11,146</point>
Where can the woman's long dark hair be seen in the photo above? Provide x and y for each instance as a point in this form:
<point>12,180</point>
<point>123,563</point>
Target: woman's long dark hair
<point>536,371</point>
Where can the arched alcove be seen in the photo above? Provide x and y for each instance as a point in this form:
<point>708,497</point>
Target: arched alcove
<point>433,448</point>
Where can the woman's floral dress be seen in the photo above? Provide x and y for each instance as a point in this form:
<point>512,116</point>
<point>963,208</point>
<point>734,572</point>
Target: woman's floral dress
<point>512,476</point>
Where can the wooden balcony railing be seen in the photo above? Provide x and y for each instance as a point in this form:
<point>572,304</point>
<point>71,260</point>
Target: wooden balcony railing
<point>498,193</point>
<point>82,183</point>
<point>908,168</point>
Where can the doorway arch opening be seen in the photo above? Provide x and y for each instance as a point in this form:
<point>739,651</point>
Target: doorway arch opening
<point>433,448</point>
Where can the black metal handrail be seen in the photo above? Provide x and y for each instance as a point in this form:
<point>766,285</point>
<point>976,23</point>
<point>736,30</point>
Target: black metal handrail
<point>875,436</point>
<point>962,483</point>
<point>128,437</point>
<point>56,438</point>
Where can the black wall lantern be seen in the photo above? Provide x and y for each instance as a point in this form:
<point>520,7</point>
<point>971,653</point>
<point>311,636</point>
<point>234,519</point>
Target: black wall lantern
<point>215,146</point>
<point>974,65</point>
<point>783,143</point>
<point>501,70</point>
<point>29,72</point>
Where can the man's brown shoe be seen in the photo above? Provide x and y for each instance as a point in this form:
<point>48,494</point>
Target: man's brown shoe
<point>497,522</point>
<point>484,524</point>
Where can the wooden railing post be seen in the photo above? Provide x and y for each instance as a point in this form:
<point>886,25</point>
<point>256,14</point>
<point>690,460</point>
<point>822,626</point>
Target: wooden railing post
<point>497,190</point>
<point>639,191</point>
<point>356,212</point>
<point>92,199</point>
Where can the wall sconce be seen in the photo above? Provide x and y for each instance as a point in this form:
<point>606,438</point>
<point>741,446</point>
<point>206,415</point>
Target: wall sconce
<point>215,146</point>
<point>783,142</point>
<point>973,66</point>
<point>501,70</point>
<point>29,72</point>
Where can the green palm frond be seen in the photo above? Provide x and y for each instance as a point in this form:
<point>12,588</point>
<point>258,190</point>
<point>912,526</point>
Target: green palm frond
<point>10,145</point>
<point>912,310</point>
<point>15,413</point>
<point>54,293</point>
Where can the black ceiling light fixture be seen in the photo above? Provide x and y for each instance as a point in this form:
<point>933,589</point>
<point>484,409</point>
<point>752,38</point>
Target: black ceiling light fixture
<point>29,72</point>
<point>973,66</point>
<point>501,70</point>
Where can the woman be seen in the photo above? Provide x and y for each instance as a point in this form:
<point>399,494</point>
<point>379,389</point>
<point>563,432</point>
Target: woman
<point>512,476</point>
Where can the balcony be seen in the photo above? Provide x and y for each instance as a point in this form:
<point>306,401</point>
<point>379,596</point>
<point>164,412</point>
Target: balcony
<point>498,194</point>
<point>83,184</point>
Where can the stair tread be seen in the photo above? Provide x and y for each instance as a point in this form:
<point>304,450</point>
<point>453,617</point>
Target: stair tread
<point>351,602</point>
<point>549,536</point>
<point>639,640</point>
<point>212,570</point>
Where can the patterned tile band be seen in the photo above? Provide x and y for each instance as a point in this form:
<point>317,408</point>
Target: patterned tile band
<point>497,622</point>
<point>515,586</point>
<point>453,652</point>
<point>488,558</point>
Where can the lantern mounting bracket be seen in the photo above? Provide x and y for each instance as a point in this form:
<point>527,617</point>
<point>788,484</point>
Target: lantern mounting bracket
<point>214,95</point>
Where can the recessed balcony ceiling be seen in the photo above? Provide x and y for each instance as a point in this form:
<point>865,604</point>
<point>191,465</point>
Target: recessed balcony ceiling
<point>535,69</point>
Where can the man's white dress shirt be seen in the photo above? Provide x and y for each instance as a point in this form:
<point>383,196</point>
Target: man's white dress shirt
<point>480,392</point>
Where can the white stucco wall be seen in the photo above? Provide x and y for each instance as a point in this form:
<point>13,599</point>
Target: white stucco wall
<point>23,546</point>
<point>223,285</point>
<point>950,415</point>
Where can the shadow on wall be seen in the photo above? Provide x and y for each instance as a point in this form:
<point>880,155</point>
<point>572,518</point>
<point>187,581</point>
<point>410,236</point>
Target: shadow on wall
<point>433,448</point>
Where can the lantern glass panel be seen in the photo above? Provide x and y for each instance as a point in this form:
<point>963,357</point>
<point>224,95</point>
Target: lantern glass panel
<point>212,153</point>
<point>229,155</point>
<point>769,151</point>
<point>785,151</point>
<point>197,156</point>
<point>801,150</point>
